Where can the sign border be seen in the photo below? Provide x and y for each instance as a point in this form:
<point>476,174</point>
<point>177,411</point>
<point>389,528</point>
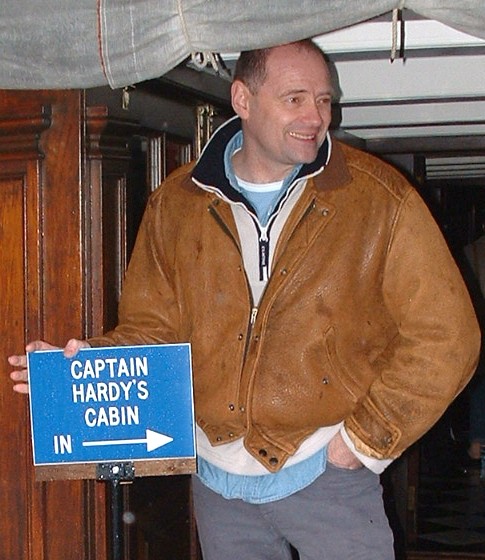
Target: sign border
<point>146,466</point>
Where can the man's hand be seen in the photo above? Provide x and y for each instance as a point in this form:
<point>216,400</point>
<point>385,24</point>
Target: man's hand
<point>340,455</point>
<point>19,376</point>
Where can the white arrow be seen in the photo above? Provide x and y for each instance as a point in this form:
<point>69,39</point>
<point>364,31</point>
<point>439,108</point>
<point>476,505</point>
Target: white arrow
<point>154,440</point>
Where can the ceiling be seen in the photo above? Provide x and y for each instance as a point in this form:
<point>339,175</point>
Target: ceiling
<point>429,101</point>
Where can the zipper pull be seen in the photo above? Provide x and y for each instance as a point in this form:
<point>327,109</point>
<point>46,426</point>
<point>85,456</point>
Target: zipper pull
<point>254,313</point>
<point>263,233</point>
<point>263,260</point>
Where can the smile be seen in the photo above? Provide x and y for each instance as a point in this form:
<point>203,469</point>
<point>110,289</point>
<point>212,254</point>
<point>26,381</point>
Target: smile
<point>302,136</point>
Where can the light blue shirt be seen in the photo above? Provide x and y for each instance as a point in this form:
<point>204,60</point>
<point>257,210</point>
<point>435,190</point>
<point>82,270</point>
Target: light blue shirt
<point>263,203</point>
<point>267,487</point>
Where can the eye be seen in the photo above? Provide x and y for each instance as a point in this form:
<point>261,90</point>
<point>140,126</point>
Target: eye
<point>293,99</point>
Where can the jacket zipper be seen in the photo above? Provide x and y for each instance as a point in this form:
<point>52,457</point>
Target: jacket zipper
<point>254,310</point>
<point>252,320</point>
<point>254,314</point>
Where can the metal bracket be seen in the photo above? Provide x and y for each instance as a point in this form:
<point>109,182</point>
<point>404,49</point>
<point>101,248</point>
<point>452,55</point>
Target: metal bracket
<point>116,472</point>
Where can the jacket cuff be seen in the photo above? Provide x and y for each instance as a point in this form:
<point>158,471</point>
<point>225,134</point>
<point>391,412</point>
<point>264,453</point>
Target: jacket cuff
<point>377,466</point>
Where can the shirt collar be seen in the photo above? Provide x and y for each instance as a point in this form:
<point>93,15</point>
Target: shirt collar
<point>235,144</point>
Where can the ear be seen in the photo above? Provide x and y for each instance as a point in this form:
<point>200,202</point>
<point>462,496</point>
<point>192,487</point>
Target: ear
<point>240,96</point>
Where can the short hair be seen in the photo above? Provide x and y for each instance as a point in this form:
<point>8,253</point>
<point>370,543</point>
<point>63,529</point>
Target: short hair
<point>251,65</point>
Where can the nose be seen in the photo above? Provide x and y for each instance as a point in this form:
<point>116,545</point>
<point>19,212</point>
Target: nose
<point>316,113</point>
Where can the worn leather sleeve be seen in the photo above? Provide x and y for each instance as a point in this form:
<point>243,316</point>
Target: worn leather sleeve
<point>436,350</point>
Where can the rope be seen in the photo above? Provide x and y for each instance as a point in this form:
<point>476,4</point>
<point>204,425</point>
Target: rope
<point>184,23</point>
<point>396,18</point>
<point>201,59</point>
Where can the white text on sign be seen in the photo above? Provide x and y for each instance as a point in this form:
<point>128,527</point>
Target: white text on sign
<point>125,384</point>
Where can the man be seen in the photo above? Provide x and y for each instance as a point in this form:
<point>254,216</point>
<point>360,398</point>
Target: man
<point>330,327</point>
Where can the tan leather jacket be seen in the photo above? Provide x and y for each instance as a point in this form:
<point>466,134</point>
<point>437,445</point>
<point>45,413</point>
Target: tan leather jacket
<point>365,317</point>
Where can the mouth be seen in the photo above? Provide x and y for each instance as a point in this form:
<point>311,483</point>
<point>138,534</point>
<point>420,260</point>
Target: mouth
<point>300,136</point>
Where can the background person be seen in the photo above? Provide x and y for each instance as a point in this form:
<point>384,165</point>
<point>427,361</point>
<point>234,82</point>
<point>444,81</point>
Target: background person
<point>475,254</point>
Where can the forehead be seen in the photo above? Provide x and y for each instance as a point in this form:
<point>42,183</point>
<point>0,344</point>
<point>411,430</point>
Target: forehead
<point>293,64</point>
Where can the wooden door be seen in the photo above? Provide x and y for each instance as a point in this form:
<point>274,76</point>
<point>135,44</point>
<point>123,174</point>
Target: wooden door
<point>41,290</point>
<point>73,185</point>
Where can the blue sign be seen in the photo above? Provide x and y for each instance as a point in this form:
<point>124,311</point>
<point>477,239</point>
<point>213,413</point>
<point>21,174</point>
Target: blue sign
<point>112,404</point>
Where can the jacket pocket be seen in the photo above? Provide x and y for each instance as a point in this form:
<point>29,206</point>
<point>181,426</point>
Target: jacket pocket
<point>338,373</point>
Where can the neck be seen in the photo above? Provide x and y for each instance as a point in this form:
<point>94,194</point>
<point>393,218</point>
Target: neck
<point>252,170</point>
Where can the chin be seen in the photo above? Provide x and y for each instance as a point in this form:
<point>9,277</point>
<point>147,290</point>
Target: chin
<point>308,158</point>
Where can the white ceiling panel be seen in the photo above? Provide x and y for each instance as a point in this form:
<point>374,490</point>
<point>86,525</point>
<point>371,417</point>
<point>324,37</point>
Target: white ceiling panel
<point>435,77</point>
<point>430,98</point>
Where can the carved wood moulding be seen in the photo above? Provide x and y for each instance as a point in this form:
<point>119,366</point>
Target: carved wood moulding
<point>20,134</point>
<point>107,136</point>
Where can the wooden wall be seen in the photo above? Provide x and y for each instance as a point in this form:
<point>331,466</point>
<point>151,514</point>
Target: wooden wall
<point>74,181</point>
<point>41,292</point>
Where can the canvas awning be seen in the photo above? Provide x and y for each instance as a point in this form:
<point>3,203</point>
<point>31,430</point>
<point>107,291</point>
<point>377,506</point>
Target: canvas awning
<point>85,43</point>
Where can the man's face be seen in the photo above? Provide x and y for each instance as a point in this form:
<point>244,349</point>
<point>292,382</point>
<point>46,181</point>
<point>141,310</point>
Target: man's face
<point>285,121</point>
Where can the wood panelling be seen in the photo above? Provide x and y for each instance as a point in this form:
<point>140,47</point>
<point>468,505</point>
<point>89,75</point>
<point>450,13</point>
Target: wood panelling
<point>15,491</point>
<point>74,182</point>
<point>41,281</point>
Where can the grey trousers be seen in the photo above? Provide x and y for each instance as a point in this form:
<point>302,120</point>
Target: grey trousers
<point>340,516</point>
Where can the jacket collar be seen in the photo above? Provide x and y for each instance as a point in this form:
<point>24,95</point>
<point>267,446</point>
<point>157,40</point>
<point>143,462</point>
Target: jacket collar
<point>210,169</point>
